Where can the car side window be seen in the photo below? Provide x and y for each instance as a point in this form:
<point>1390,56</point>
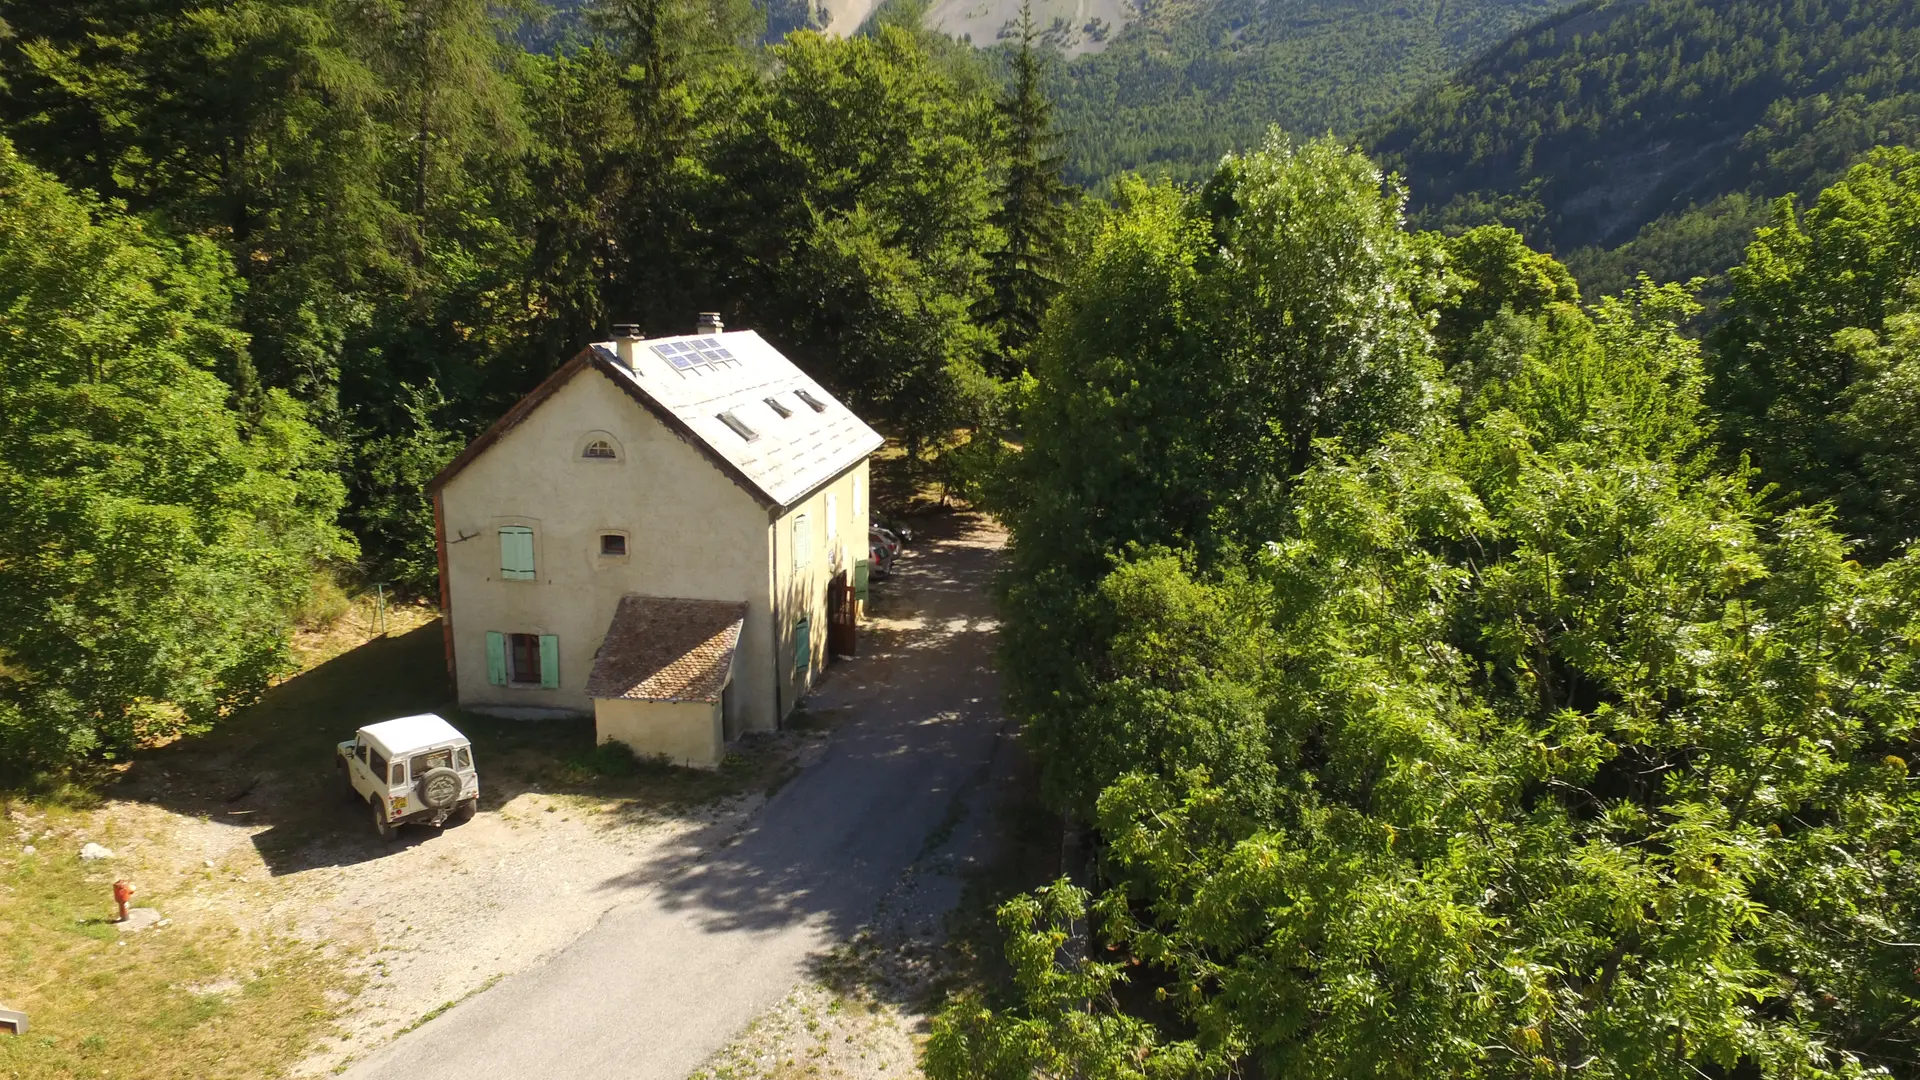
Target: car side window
<point>399,773</point>
<point>379,764</point>
<point>360,752</point>
<point>462,759</point>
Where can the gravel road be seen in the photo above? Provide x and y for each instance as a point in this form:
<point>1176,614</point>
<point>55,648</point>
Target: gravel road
<point>701,943</point>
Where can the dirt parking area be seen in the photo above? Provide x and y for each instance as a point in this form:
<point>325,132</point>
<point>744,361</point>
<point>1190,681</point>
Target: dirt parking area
<point>293,939</point>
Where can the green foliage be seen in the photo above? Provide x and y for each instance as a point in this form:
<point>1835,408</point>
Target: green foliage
<point>1205,344</point>
<point>1187,83</point>
<point>1630,126</point>
<point>1530,743</point>
<point>1071,1025</point>
<point>394,514</point>
<point>1495,275</point>
<point>855,190</point>
<point>155,543</point>
<point>1819,315</point>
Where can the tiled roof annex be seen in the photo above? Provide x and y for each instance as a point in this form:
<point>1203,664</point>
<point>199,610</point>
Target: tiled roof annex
<point>663,648</point>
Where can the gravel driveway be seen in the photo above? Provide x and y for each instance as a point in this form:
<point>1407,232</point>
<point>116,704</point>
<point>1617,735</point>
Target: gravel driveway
<point>700,943</point>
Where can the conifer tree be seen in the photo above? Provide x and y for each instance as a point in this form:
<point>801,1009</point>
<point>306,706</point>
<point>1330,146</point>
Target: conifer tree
<point>1030,213</point>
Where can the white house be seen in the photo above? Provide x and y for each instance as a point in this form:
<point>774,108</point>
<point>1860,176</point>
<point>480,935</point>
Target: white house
<point>668,533</point>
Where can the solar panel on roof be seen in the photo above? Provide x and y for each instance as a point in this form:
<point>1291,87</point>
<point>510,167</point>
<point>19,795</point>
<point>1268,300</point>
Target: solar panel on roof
<point>699,352</point>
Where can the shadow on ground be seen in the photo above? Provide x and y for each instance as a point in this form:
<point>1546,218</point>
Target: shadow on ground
<point>910,765</point>
<point>271,764</point>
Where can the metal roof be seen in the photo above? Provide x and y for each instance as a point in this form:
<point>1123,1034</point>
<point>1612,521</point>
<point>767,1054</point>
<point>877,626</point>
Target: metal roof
<point>787,457</point>
<point>410,733</point>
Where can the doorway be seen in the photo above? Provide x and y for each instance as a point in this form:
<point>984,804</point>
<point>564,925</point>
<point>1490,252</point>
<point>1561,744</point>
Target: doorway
<point>843,627</point>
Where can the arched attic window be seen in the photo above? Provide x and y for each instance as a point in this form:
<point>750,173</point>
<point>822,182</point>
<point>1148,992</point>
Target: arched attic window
<point>600,450</point>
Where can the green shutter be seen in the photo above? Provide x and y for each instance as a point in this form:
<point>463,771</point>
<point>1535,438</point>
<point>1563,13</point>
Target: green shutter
<point>860,580</point>
<point>802,650</point>
<point>496,658</point>
<point>549,662</point>
<point>516,553</point>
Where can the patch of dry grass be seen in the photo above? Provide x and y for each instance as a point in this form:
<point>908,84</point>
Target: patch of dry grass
<point>197,998</point>
<point>337,623</point>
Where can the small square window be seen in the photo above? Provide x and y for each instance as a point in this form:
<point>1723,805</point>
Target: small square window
<point>612,544</point>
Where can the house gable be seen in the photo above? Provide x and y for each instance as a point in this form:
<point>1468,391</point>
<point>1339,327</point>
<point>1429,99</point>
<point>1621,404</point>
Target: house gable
<point>594,360</point>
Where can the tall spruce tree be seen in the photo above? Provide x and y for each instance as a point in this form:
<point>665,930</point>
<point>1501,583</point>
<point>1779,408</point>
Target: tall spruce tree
<point>1030,211</point>
<point>684,64</point>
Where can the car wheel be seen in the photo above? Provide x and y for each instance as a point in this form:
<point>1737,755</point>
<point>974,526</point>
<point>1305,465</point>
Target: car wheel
<point>385,829</point>
<point>465,811</point>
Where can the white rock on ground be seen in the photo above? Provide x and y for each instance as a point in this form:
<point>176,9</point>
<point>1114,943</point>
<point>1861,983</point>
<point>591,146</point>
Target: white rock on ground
<point>93,852</point>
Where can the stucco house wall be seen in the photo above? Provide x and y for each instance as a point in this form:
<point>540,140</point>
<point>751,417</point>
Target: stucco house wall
<point>802,589</point>
<point>683,732</point>
<point>691,531</point>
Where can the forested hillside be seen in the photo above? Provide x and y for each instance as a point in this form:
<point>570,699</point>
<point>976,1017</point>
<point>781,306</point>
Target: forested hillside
<point>1660,128</point>
<point>1187,82</point>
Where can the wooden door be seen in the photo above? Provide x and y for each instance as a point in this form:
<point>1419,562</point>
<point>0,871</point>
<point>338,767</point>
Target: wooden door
<point>843,629</point>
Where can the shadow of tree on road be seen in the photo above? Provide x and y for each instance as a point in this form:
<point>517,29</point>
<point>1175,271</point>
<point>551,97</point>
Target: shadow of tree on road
<point>923,712</point>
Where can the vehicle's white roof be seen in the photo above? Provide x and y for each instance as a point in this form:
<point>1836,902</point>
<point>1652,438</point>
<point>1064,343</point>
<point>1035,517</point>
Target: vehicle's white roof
<point>410,733</point>
<point>791,455</point>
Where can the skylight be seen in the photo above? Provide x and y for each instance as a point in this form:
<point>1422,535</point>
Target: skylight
<point>774,404</point>
<point>813,403</point>
<point>739,426</point>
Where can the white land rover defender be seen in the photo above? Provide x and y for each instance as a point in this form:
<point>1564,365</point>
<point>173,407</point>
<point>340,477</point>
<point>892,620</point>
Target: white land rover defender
<point>416,768</point>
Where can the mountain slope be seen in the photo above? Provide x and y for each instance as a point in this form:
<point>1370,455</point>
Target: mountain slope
<point>1188,81</point>
<point>1658,129</point>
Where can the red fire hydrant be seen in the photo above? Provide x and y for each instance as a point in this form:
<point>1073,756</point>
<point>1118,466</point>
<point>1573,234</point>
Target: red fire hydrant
<point>122,892</point>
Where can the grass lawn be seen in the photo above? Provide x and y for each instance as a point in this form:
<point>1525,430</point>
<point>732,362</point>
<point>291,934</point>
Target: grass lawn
<point>199,997</point>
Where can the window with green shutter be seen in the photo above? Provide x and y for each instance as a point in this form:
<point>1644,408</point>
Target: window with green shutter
<point>496,658</point>
<point>860,573</point>
<point>802,649</point>
<point>516,553</point>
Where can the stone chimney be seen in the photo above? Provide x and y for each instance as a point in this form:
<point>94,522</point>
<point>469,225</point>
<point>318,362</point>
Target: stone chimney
<point>710,323</point>
<point>626,336</point>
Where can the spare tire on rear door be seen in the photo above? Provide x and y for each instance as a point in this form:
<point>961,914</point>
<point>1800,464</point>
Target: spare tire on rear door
<point>440,788</point>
